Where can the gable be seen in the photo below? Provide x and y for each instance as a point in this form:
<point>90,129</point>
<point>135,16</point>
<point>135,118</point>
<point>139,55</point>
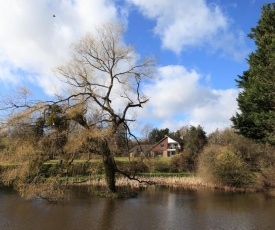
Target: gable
<point>161,145</point>
<point>170,140</point>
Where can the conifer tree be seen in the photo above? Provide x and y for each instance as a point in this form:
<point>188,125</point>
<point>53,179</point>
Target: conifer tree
<point>256,100</point>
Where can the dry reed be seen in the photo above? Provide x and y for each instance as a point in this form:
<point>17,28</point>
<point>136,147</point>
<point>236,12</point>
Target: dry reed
<point>192,182</point>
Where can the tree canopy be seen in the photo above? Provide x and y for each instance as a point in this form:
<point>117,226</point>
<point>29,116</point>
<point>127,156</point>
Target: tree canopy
<point>157,134</point>
<point>256,99</point>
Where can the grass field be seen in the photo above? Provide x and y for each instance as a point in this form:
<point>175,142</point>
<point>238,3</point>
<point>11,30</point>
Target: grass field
<point>118,159</point>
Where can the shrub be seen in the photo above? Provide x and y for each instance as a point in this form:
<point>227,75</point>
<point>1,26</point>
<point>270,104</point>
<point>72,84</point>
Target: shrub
<point>132,167</point>
<point>231,170</point>
<point>138,167</point>
<point>268,177</point>
<point>180,163</point>
<point>207,161</point>
<point>256,155</point>
<point>161,166</point>
<point>221,165</point>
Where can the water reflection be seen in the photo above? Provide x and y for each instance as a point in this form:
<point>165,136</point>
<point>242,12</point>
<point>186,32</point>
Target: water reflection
<point>153,209</point>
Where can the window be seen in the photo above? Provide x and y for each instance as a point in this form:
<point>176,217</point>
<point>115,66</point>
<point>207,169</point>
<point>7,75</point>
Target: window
<point>161,145</point>
<point>158,154</point>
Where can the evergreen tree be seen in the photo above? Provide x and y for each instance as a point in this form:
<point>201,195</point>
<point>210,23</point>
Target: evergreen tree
<point>256,100</point>
<point>157,134</point>
<point>195,140</point>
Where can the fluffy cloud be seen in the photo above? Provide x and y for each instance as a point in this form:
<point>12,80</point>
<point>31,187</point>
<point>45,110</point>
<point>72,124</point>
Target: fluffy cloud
<point>177,98</point>
<point>32,41</point>
<point>192,23</point>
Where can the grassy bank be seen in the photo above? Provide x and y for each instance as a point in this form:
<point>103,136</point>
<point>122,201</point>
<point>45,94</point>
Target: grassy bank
<point>186,182</point>
<point>155,171</point>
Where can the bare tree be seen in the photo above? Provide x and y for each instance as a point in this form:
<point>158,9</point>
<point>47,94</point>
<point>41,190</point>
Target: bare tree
<point>145,131</point>
<point>104,77</point>
<point>106,74</point>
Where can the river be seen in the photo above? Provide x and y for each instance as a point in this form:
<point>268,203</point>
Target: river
<point>154,208</point>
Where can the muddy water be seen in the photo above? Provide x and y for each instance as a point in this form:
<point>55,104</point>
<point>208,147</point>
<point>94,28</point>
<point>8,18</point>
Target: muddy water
<point>152,209</point>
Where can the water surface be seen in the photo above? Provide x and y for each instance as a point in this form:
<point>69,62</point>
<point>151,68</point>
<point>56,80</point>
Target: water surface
<point>152,209</point>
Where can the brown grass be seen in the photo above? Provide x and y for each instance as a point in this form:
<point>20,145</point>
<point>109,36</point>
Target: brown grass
<point>192,182</point>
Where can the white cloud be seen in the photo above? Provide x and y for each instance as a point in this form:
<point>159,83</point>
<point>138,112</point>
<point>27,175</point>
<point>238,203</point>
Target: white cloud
<point>181,24</point>
<point>33,41</point>
<point>6,74</point>
<point>177,98</point>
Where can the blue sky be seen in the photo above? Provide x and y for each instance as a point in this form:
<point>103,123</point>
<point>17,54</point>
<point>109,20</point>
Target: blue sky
<point>200,47</point>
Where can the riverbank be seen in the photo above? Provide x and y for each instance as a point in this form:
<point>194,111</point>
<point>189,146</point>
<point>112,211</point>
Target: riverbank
<point>191,182</point>
<point>156,174</point>
<point>129,188</point>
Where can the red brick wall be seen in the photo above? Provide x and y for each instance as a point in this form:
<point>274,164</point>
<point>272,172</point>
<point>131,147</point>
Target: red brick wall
<point>161,147</point>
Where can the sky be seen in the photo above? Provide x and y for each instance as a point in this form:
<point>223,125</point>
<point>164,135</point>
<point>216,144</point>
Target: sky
<point>201,46</point>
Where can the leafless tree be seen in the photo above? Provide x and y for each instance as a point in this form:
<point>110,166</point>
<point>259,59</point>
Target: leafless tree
<point>145,131</point>
<point>107,75</point>
<point>104,77</point>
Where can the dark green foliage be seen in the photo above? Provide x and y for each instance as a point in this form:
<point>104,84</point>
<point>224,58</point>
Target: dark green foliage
<point>195,140</point>
<point>176,134</point>
<point>157,134</point>
<point>257,98</point>
<point>56,119</point>
<point>39,127</point>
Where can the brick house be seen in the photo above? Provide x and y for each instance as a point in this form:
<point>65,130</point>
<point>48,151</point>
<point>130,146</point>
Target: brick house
<point>167,147</point>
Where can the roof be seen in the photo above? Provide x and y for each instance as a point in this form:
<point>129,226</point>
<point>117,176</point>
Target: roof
<point>142,148</point>
<point>179,140</point>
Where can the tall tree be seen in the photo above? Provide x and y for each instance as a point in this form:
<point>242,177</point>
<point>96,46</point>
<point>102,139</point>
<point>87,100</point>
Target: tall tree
<point>105,76</point>
<point>256,100</point>
<point>194,141</point>
<point>157,134</point>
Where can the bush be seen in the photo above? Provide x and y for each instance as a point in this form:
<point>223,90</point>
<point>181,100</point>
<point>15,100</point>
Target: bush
<point>206,162</point>
<point>132,167</point>
<point>221,165</point>
<point>180,163</point>
<point>256,155</point>
<point>138,167</point>
<point>268,177</point>
<point>161,166</point>
<point>231,170</point>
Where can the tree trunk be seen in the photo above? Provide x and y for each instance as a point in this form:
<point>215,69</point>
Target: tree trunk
<point>109,167</point>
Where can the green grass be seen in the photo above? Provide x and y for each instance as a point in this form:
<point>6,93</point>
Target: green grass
<point>119,159</point>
